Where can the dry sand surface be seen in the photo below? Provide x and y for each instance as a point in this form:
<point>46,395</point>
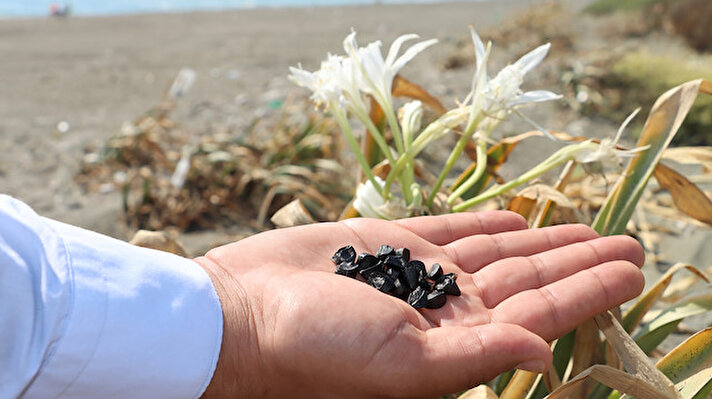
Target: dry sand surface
<point>96,73</point>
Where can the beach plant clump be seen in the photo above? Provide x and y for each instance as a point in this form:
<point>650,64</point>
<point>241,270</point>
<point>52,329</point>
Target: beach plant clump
<point>344,84</point>
<point>170,178</point>
<point>359,88</point>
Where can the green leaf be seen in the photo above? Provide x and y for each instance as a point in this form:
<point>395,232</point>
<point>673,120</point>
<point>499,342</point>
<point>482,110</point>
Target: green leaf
<point>502,381</point>
<point>659,328</point>
<point>688,358</point>
<point>663,122</point>
<point>562,353</point>
<point>645,302</point>
<point>652,339</point>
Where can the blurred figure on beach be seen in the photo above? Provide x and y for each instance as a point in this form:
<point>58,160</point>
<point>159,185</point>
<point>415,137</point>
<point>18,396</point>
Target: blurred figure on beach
<point>60,11</point>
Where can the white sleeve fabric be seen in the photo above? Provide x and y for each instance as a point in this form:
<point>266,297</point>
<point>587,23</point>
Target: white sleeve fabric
<point>83,315</point>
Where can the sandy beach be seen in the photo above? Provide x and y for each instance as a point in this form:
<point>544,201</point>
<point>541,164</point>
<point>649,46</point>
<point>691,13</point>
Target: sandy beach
<point>95,73</point>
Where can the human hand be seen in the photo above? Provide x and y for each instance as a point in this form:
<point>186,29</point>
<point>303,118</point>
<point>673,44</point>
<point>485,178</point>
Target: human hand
<point>293,328</point>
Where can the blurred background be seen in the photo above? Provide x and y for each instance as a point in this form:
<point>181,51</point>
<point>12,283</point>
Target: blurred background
<point>101,100</point>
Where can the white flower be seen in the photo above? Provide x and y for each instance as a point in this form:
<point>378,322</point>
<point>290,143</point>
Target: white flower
<point>370,204</point>
<point>325,83</point>
<point>377,73</point>
<point>341,80</point>
<point>410,116</point>
<point>503,93</point>
<point>336,83</point>
<point>606,152</point>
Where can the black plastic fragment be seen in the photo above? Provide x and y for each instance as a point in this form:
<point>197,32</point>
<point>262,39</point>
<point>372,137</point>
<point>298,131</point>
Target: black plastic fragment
<point>393,272</point>
<point>381,281</point>
<point>435,272</point>
<point>412,274</point>
<point>403,253</point>
<point>366,260</point>
<point>347,269</point>
<point>418,298</point>
<point>436,299</point>
<point>344,254</point>
<point>447,284</point>
<point>400,289</point>
<point>395,261</point>
<point>384,251</point>
<point>366,271</point>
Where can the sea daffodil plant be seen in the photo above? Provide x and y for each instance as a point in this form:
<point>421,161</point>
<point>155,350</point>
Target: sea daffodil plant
<point>344,85</point>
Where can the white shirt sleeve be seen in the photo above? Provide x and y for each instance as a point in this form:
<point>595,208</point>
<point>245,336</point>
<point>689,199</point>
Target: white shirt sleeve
<point>83,315</point>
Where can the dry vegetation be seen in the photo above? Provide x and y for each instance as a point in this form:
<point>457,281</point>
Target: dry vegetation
<point>228,179</point>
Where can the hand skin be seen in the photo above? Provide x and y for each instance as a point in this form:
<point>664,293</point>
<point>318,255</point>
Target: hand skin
<point>293,328</point>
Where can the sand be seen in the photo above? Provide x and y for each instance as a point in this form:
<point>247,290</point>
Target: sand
<point>95,73</point>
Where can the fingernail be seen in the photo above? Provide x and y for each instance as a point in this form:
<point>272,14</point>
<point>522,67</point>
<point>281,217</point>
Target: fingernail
<point>536,366</point>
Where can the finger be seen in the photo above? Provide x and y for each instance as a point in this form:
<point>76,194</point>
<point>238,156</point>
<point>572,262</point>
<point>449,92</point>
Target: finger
<point>557,308</point>
<point>451,359</point>
<point>443,229</point>
<point>509,276</point>
<point>472,253</point>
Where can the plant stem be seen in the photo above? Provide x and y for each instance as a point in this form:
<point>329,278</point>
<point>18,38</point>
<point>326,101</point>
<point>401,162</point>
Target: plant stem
<point>408,177</point>
<point>476,175</point>
<point>432,132</point>
<point>353,143</point>
<point>454,155</point>
<point>395,129</point>
<point>556,159</point>
<point>396,168</point>
<point>472,123</point>
<point>378,138</point>
<point>376,134</point>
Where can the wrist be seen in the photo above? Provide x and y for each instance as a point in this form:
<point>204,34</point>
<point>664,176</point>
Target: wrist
<point>236,368</point>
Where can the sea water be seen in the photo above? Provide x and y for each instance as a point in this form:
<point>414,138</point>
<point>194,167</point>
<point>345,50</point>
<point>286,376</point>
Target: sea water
<point>35,8</point>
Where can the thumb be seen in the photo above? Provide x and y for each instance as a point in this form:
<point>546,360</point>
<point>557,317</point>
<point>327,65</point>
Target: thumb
<point>456,358</point>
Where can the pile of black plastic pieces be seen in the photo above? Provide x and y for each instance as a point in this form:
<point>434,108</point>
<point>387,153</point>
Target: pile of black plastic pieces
<point>393,272</point>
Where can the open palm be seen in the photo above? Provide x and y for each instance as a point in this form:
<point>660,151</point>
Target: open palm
<point>304,331</point>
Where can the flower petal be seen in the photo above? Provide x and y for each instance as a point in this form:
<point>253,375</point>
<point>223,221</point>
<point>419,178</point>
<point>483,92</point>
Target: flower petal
<point>410,53</point>
<point>538,127</point>
<point>479,48</point>
<point>350,44</point>
<point>395,47</point>
<point>631,153</point>
<point>410,116</point>
<point>535,96</point>
<point>533,58</point>
<point>301,77</point>
<point>368,199</point>
<point>624,125</point>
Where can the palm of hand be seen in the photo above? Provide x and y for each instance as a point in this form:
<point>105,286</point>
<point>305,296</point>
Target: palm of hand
<point>321,334</point>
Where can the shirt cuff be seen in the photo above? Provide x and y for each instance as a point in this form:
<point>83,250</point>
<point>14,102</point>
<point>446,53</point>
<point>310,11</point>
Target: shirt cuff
<point>143,324</point>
